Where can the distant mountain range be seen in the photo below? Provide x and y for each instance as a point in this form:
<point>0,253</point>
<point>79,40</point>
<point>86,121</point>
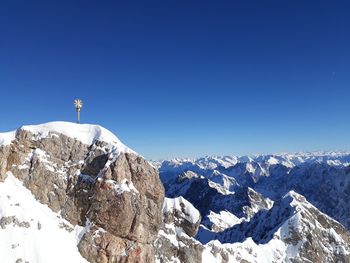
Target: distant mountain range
<point>75,193</point>
<point>294,207</point>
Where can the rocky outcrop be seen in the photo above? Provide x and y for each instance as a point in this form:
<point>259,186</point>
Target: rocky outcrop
<point>99,245</point>
<point>322,177</point>
<point>293,230</point>
<point>111,202</point>
<point>243,205</point>
<point>182,214</point>
<point>176,240</point>
<point>102,184</point>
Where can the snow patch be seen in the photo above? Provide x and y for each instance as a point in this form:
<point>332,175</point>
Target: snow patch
<point>224,219</point>
<point>41,238</point>
<point>123,186</point>
<point>7,137</point>
<point>85,133</point>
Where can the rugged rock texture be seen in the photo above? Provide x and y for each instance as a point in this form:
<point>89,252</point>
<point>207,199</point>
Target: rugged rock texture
<point>247,216</point>
<point>182,214</point>
<point>175,241</point>
<point>323,178</point>
<point>98,245</point>
<point>291,231</point>
<point>112,201</point>
<point>243,203</point>
<point>117,194</point>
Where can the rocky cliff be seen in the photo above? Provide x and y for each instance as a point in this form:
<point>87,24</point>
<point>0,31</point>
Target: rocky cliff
<point>75,193</point>
<point>85,175</point>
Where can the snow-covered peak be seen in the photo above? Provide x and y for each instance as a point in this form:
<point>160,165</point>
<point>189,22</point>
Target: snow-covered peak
<point>211,162</point>
<point>85,133</point>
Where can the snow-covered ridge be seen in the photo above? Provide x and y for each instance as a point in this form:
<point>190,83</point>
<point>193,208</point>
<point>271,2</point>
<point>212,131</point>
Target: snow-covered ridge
<point>85,133</point>
<point>290,160</point>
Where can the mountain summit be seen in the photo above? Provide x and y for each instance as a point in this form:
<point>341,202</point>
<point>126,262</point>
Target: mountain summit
<point>75,193</point>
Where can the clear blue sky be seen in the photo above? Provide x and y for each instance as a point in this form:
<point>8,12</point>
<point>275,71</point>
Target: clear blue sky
<point>182,78</point>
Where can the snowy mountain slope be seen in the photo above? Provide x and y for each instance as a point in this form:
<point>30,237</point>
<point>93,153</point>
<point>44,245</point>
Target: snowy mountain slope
<point>295,230</point>
<point>175,242</point>
<point>218,222</point>
<point>247,170</point>
<point>65,176</point>
<point>80,184</point>
<point>271,177</point>
<point>253,203</point>
<point>85,133</point>
<point>33,232</point>
<point>214,197</point>
<point>325,186</point>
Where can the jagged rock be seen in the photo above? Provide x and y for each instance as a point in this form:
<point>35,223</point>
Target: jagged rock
<point>128,204</point>
<point>172,246</point>
<point>269,175</point>
<point>175,239</point>
<point>116,198</point>
<point>293,230</point>
<point>99,246</point>
<point>245,188</point>
<point>90,180</point>
<point>182,213</point>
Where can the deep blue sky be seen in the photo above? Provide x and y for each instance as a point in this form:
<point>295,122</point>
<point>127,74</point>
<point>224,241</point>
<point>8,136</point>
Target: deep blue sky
<point>182,78</point>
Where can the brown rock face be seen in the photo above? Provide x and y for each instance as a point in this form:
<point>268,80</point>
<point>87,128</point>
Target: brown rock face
<point>137,211</point>
<point>100,246</point>
<point>119,197</point>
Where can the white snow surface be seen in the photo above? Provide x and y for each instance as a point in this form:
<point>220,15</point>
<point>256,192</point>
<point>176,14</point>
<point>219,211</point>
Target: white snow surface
<point>45,240</point>
<point>224,219</point>
<point>85,133</point>
<point>7,137</point>
<point>247,250</point>
<point>190,212</point>
<point>276,250</point>
<point>123,186</point>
